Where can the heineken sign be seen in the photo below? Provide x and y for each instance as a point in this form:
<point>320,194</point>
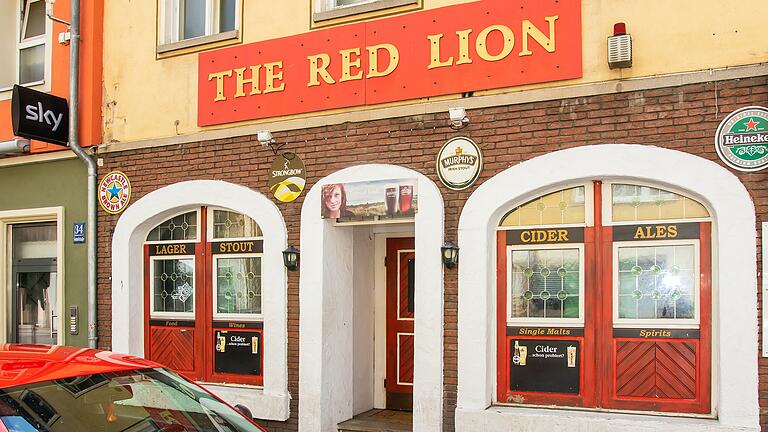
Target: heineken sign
<point>742,139</point>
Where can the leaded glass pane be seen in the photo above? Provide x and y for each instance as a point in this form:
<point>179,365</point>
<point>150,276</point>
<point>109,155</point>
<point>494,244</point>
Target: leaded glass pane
<point>638,203</point>
<point>545,283</point>
<point>238,285</point>
<point>181,227</point>
<point>227,224</point>
<point>173,285</point>
<point>657,282</point>
<point>561,207</point>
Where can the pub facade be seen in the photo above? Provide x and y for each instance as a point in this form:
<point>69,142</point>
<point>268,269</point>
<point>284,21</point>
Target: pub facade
<point>471,216</point>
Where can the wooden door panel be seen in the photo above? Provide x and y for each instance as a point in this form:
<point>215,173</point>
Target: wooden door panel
<point>400,318</point>
<point>405,358</point>
<point>656,369</point>
<point>173,347</point>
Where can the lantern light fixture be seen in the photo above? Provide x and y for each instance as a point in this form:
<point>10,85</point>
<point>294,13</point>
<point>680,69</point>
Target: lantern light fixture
<point>450,254</point>
<point>291,258</point>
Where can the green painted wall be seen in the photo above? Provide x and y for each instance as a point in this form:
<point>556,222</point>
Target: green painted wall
<point>52,184</point>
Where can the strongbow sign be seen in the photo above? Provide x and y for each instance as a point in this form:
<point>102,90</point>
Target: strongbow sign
<point>449,50</point>
<point>287,177</point>
<point>40,116</point>
<point>459,163</point>
<point>742,139</point>
<point>114,192</point>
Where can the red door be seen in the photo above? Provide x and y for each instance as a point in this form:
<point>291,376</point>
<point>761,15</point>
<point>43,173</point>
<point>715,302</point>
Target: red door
<point>400,314</point>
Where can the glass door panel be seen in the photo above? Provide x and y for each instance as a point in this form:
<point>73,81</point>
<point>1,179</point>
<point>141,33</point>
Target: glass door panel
<point>238,286</point>
<point>173,286</point>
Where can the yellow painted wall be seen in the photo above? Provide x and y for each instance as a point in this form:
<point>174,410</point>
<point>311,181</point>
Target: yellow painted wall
<point>147,97</point>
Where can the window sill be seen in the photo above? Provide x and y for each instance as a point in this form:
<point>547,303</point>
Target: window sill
<point>5,92</point>
<point>499,418</point>
<point>263,405</point>
<point>198,43</point>
<point>346,11</point>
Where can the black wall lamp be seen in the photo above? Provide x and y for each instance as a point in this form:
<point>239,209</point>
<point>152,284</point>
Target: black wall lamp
<point>450,254</point>
<point>291,258</point>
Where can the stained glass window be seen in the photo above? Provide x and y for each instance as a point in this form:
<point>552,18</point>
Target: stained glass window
<point>181,227</point>
<point>545,283</point>
<point>657,282</point>
<point>238,285</point>
<point>173,285</point>
<point>227,224</point>
<point>638,203</point>
<point>561,207</point>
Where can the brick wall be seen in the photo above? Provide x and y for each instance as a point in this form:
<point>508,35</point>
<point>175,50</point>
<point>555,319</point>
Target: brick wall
<point>683,118</point>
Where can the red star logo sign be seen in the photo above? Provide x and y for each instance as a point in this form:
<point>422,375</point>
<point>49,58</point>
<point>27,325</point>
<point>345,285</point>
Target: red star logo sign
<point>751,125</point>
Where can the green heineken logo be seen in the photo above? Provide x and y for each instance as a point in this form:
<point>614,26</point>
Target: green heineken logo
<point>742,139</point>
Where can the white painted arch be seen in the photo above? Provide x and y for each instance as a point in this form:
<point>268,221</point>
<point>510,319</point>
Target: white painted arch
<point>735,372</point>
<point>325,324</point>
<point>270,402</point>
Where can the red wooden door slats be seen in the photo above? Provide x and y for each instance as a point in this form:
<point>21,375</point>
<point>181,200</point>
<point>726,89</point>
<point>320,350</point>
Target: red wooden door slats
<point>400,334</point>
<point>174,347</point>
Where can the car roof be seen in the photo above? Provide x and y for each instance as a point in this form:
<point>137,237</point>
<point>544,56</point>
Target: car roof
<point>25,364</point>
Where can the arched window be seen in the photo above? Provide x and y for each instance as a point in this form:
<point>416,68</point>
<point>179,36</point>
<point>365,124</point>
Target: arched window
<point>203,290</point>
<point>604,300</point>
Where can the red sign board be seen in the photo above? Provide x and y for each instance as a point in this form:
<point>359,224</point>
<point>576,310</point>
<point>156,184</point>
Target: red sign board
<point>468,47</point>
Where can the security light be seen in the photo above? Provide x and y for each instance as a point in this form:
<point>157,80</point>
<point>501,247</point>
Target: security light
<point>458,117</point>
<point>265,138</point>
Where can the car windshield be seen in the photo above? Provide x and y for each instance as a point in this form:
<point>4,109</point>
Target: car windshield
<point>147,400</point>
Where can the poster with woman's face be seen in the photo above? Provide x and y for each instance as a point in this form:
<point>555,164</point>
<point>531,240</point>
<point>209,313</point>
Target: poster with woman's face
<point>374,200</point>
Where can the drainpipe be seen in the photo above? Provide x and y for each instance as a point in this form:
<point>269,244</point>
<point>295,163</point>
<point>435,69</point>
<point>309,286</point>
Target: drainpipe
<point>74,144</point>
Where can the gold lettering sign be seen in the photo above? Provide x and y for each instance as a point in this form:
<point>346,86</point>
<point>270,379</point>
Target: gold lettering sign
<point>544,236</point>
<point>655,333</point>
<point>172,249</point>
<point>236,325</point>
<point>656,232</point>
<point>546,331</point>
<point>237,247</point>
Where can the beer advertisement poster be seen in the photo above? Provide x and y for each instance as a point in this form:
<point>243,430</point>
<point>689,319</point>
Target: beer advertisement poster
<point>372,200</point>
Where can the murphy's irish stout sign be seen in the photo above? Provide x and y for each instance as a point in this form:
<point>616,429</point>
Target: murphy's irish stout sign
<point>455,49</point>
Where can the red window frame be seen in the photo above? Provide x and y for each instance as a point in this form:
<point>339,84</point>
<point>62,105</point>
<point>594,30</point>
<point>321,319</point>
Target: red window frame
<point>598,344</point>
<point>204,328</point>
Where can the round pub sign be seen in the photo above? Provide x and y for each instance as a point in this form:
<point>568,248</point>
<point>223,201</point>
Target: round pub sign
<point>742,139</point>
<point>459,163</point>
<point>287,177</point>
<point>114,192</point>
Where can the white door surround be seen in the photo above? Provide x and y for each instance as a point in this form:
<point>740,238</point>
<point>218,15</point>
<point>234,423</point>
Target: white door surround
<point>270,402</point>
<point>734,371</point>
<point>325,324</point>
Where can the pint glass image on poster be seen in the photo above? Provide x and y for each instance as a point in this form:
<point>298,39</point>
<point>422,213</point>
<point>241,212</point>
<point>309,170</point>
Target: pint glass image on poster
<point>374,200</point>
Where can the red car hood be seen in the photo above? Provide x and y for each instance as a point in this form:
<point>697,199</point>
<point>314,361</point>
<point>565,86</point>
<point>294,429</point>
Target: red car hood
<point>26,364</point>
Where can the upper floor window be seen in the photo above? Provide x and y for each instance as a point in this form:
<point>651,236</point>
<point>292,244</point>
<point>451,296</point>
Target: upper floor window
<point>194,22</point>
<point>333,9</point>
<point>23,42</point>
